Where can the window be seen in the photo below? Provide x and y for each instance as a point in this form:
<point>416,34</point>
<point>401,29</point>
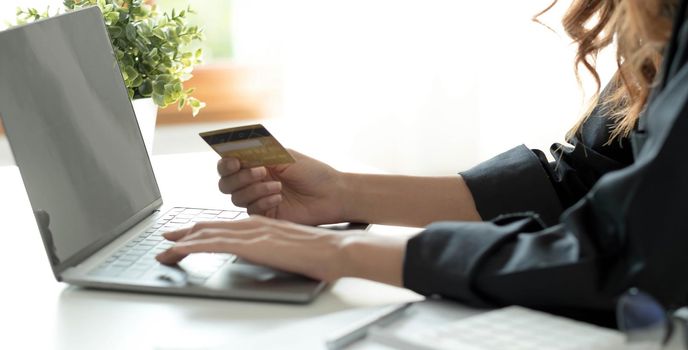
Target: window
<point>218,82</point>
<point>214,16</point>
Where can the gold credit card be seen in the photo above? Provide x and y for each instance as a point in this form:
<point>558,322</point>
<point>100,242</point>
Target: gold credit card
<point>253,145</point>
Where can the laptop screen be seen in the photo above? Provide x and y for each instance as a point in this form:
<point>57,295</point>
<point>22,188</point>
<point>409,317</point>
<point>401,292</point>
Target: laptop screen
<point>73,132</point>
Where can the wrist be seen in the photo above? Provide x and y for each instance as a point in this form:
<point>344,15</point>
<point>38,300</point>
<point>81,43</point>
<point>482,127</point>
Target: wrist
<point>369,256</point>
<point>348,185</point>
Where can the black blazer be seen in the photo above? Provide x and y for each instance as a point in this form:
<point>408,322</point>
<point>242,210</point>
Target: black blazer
<point>571,236</point>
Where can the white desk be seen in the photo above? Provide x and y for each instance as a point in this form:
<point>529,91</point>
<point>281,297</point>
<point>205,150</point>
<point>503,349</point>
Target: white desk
<point>36,312</point>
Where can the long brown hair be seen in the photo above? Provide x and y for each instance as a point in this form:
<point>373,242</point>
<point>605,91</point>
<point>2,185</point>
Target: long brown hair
<point>640,29</point>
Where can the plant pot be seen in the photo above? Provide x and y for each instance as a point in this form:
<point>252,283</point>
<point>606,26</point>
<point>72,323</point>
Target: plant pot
<point>146,114</point>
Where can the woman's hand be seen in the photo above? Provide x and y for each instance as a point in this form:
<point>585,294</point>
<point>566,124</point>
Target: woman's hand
<point>314,252</point>
<point>307,192</point>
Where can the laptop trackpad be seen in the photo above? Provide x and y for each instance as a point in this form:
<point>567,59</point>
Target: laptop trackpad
<point>243,275</point>
<point>245,270</point>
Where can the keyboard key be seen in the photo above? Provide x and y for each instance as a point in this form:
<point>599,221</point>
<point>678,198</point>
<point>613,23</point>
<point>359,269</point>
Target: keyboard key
<point>144,263</point>
<point>191,211</point>
<point>228,215</point>
<point>184,216</point>
<point>130,258</point>
<point>150,256</point>
<point>144,234</point>
<point>205,216</point>
<point>133,256</point>
<point>122,263</point>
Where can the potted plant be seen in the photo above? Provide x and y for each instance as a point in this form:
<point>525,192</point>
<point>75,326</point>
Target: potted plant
<point>153,51</point>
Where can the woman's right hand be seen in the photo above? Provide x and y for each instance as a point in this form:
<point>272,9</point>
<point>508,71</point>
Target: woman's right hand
<point>306,192</point>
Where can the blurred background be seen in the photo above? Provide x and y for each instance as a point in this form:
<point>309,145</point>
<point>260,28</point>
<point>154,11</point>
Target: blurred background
<point>426,87</point>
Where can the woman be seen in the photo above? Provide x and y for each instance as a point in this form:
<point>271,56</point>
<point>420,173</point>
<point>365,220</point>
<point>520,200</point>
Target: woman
<point>567,237</point>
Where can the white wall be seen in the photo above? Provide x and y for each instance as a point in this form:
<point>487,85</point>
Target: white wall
<point>426,87</point>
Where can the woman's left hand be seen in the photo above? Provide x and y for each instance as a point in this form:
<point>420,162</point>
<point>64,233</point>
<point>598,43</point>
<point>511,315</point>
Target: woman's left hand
<point>315,252</point>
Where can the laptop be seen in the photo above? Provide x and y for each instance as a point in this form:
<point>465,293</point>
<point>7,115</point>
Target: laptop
<point>77,143</point>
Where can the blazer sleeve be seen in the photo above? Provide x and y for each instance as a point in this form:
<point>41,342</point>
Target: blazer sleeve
<point>628,230</point>
<point>522,180</point>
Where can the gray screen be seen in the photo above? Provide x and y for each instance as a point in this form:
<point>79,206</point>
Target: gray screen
<point>73,131</point>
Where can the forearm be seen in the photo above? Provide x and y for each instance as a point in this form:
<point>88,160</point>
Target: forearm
<point>407,200</point>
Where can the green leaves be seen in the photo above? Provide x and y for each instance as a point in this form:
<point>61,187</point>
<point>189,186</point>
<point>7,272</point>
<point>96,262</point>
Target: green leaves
<point>115,32</point>
<point>129,73</point>
<point>111,19</point>
<point>196,105</point>
<point>29,15</point>
<point>146,88</point>
<point>151,47</point>
<point>130,31</point>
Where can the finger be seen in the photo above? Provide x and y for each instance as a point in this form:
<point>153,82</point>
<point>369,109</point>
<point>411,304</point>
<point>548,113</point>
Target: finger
<point>228,166</point>
<point>280,232</point>
<point>272,212</point>
<point>213,245</point>
<point>242,178</point>
<point>252,193</point>
<point>176,235</point>
<point>179,232</point>
<point>264,204</point>
<point>250,223</point>
<point>224,233</point>
<point>260,250</point>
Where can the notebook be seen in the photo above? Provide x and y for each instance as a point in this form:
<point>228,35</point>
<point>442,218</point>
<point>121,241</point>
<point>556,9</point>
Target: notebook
<point>77,143</point>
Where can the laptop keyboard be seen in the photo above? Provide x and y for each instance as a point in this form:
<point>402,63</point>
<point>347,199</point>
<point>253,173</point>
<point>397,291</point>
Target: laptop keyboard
<point>136,260</point>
